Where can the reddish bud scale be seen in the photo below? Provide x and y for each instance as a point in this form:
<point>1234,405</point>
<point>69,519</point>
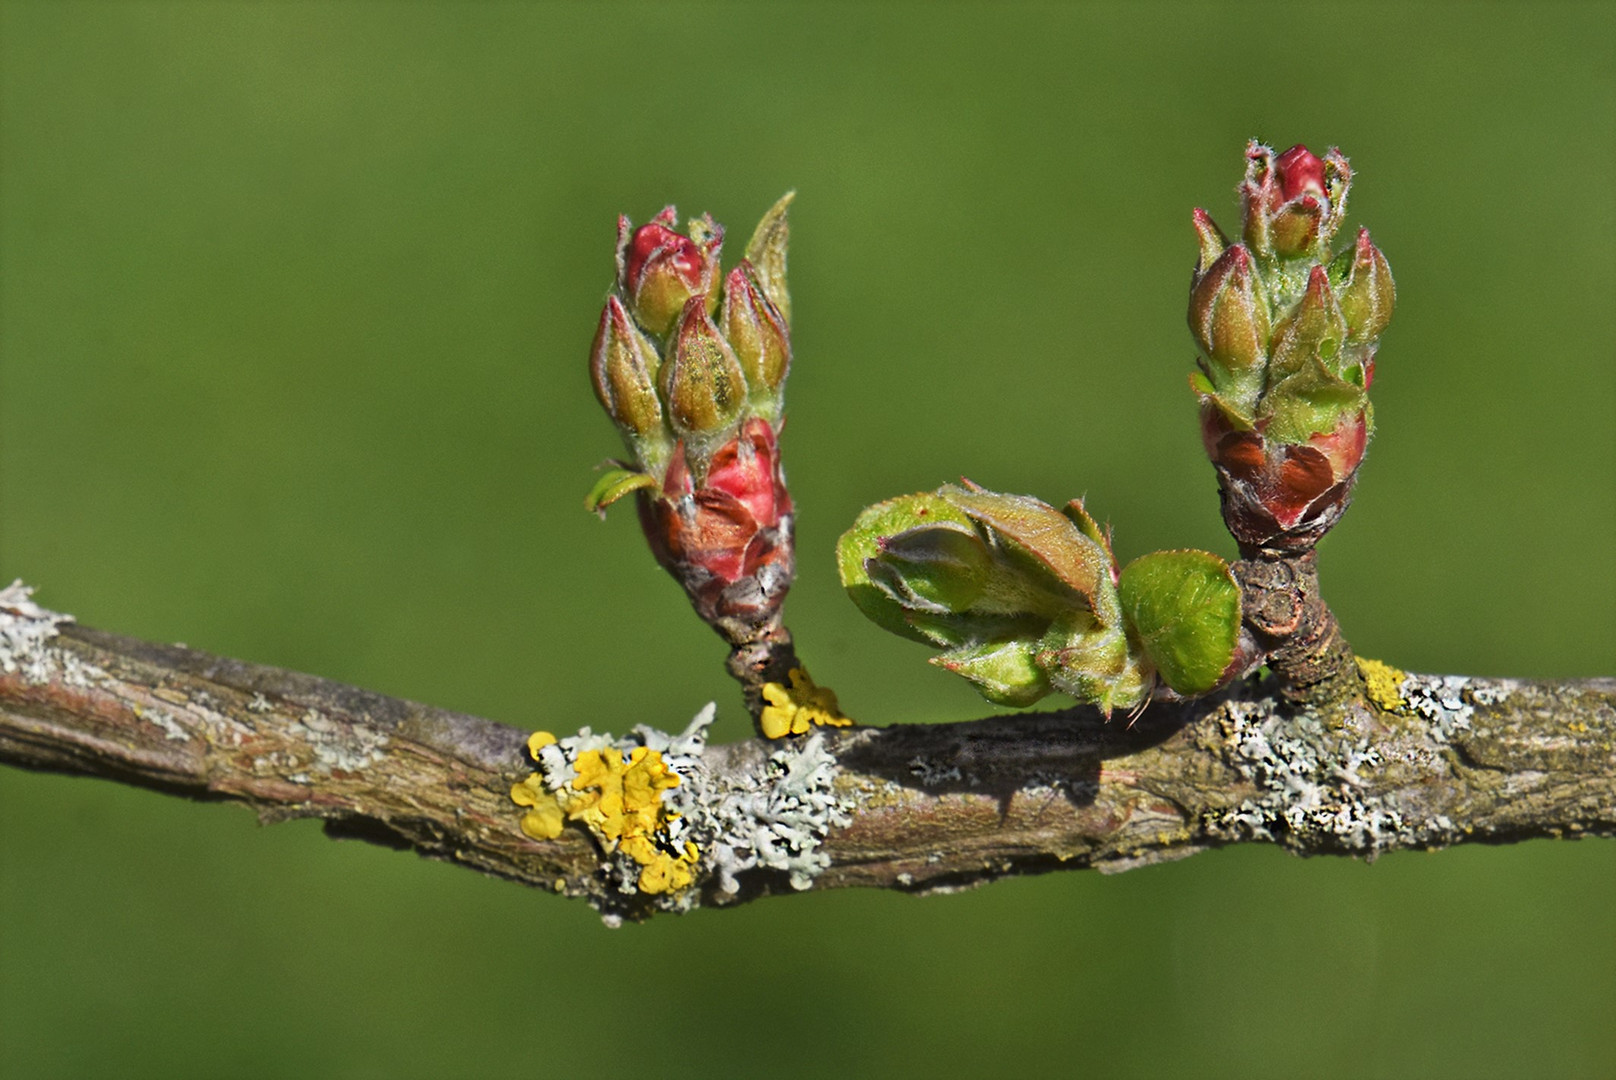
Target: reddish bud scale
<point>728,539</point>
<point>1279,496</point>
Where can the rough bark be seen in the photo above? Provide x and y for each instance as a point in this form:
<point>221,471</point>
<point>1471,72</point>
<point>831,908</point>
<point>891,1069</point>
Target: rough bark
<point>1412,761</point>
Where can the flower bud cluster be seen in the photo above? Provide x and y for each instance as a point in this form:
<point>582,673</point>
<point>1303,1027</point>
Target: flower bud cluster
<point>682,355</point>
<point>690,363</point>
<point>1288,334</point>
<point>1024,599</point>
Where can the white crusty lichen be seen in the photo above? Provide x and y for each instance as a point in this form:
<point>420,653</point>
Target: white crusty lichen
<point>1349,783</point>
<point>665,817</point>
<point>26,630</point>
<point>345,747</point>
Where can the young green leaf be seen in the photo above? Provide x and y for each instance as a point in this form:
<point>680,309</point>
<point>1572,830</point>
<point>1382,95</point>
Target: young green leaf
<point>1183,607</point>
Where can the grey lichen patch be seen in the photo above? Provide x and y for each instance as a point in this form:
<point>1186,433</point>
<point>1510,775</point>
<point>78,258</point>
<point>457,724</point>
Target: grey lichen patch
<point>770,812</point>
<point>344,747</point>
<point>1440,699</point>
<point>1344,785</point>
<point>776,817</point>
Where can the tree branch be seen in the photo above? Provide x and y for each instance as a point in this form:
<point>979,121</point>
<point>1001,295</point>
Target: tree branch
<point>1414,761</point>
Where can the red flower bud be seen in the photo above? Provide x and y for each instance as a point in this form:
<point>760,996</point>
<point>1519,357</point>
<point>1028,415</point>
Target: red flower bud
<point>1299,171</point>
<point>1293,202</point>
<point>659,270</point>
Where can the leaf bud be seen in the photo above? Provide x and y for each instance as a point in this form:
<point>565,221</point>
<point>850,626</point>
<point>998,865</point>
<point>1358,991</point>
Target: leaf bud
<point>1211,237</point>
<point>766,251</point>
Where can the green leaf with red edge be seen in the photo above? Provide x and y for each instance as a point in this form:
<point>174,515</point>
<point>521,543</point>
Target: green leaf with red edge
<point>1183,608</point>
<point>1060,554</point>
<point>864,541</point>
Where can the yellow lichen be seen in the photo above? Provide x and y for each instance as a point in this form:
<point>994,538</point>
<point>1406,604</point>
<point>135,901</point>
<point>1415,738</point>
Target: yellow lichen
<point>543,820</point>
<point>794,711</point>
<point>620,802</point>
<point>1384,684</point>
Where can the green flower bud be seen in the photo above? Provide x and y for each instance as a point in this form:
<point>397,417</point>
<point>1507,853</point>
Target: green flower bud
<point>757,333</point>
<point>1366,289</point>
<point>1229,318</point>
<point>1316,328</point>
<point>623,366</point>
<point>701,380</point>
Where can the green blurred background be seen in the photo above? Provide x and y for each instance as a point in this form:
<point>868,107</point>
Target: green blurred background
<point>294,306</point>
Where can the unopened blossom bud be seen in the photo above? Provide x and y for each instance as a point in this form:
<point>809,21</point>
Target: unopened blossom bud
<point>659,270</point>
<point>1315,328</point>
<point>696,388</point>
<point>1293,202</point>
<point>1287,456</point>
<point>701,379</point>
<point>1229,317</point>
<point>1366,290</point>
<point>757,333</point>
<point>623,365</point>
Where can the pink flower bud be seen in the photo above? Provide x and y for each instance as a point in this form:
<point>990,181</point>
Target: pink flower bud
<point>659,270</point>
<point>1229,317</point>
<point>1299,172</point>
<point>1293,202</point>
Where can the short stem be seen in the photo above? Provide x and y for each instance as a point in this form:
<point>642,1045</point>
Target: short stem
<point>1287,614</point>
<point>766,658</point>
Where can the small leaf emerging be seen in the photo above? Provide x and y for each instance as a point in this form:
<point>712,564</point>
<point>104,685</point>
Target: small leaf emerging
<point>1184,609</point>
